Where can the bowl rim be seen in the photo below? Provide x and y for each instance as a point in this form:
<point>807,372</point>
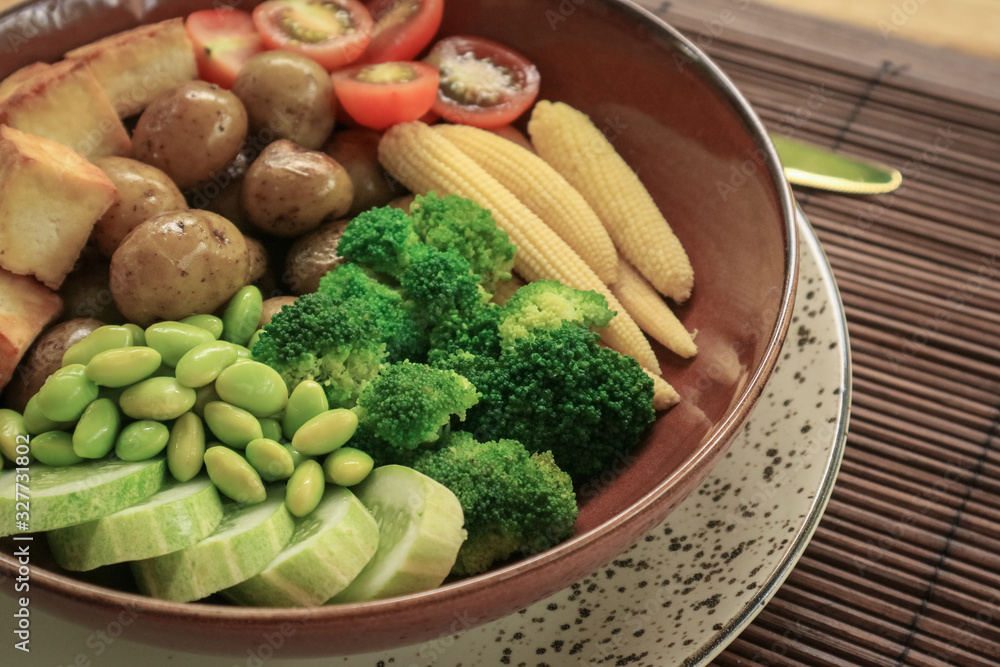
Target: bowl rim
<point>642,510</point>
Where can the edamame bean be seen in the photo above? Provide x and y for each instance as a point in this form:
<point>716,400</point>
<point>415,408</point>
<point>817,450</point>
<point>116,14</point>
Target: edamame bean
<point>271,428</point>
<point>186,447</point>
<point>347,466</point>
<point>36,422</point>
<point>138,334</point>
<point>253,386</point>
<point>54,448</point>
<point>96,432</point>
<point>305,488</point>
<point>204,396</point>
<point>242,315</point>
<point>173,339</point>
<point>233,476</point>
<point>142,440</point>
<point>298,458</point>
<point>13,434</point>
<point>270,459</point>
<point>202,364</point>
<point>242,353</point>
<point>100,339</point>
<point>307,400</point>
<point>325,432</point>
<point>159,398</point>
<point>123,366</point>
<point>232,425</point>
<point>209,323</point>
<point>67,393</point>
<point>254,338</point>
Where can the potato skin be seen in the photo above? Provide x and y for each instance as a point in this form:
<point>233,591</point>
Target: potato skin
<point>272,306</point>
<point>290,190</point>
<point>312,255</point>
<point>177,264</point>
<point>191,132</point>
<point>287,96</point>
<point>143,191</point>
<point>356,149</point>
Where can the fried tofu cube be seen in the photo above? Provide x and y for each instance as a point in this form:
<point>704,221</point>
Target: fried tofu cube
<point>50,198</point>
<point>64,102</point>
<point>26,308</point>
<point>17,77</point>
<point>136,65</point>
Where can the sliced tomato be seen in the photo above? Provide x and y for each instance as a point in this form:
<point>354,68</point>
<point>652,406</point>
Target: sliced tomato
<point>482,83</point>
<point>331,32</point>
<point>223,40</point>
<point>383,94</point>
<point>403,28</point>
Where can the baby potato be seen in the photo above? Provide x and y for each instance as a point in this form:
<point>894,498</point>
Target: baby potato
<point>357,151</point>
<point>272,306</point>
<point>191,132</point>
<point>143,191</point>
<point>85,292</point>
<point>287,96</point>
<point>289,190</point>
<point>177,264</point>
<point>312,255</point>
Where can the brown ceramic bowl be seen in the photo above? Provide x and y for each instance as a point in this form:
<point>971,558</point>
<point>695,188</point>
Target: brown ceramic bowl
<point>704,156</point>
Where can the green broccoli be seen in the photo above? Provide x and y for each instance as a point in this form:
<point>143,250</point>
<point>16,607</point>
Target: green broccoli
<point>441,284</point>
<point>515,503</point>
<point>460,224</point>
<point>407,407</point>
<point>395,316</point>
<point>559,390</point>
<point>381,239</point>
<point>548,304</point>
<point>336,343</point>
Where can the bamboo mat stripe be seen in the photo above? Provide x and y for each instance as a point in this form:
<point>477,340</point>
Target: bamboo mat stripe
<point>905,566</point>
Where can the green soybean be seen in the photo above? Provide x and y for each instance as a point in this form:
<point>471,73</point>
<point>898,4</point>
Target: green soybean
<point>270,459</point>
<point>173,339</point>
<point>233,476</point>
<point>123,366</point>
<point>298,458</point>
<point>13,435</point>
<point>54,448</point>
<point>202,364</point>
<point>242,315</point>
<point>232,425</point>
<point>209,323</point>
<point>159,398</point>
<point>67,393</point>
<point>305,488</point>
<point>347,466</point>
<point>271,428</point>
<point>253,386</point>
<point>142,440</point>
<point>138,334</point>
<point>307,400</point>
<point>204,396</point>
<point>254,338</point>
<point>96,432</point>
<point>242,353</point>
<point>36,422</point>
<point>186,447</point>
<point>100,339</point>
<point>325,432</point>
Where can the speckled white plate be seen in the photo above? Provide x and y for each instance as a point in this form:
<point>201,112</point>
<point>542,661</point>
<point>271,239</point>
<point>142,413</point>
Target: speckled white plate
<point>677,597</point>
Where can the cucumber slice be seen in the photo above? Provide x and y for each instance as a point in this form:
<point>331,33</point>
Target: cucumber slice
<point>177,516</point>
<point>420,531</point>
<point>65,496</point>
<point>249,538</point>
<point>330,547</point>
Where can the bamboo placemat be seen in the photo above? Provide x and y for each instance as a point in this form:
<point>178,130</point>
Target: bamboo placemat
<point>905,566</point>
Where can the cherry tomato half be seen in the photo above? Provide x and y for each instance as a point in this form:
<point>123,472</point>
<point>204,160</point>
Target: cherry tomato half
<point>483,83</point>
<point>402,29</point>
<point>383,94</point>
<point>331,32</point>
<point>223,40</point>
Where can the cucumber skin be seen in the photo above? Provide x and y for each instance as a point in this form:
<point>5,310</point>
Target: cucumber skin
<point>51,512</point>
<point>313,575</point>
<point>210,566</point>
<point>112,538</point>
<point>431,557</point>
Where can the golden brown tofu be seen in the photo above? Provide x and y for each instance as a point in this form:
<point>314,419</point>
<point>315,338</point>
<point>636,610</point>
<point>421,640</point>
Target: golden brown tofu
<point>26,307</point>
<point>16,78</point>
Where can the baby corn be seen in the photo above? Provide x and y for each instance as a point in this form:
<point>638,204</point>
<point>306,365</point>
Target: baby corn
<point>651,312</point>
<point>664,395</point>
<point>570,142</point>
<point>423,161</point>
<point>544,191</point>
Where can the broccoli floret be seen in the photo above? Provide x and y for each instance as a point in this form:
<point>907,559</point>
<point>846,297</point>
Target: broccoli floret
<point>548,304</point>
<point>462,225</point>
<point>381,239</point>
<point>515,503</point>
<point>441,283</point>
<point>332,342</point>
<point>476,332</point>
<point>407,407</point>
<point>395,317</point>
<point>559,390</point>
